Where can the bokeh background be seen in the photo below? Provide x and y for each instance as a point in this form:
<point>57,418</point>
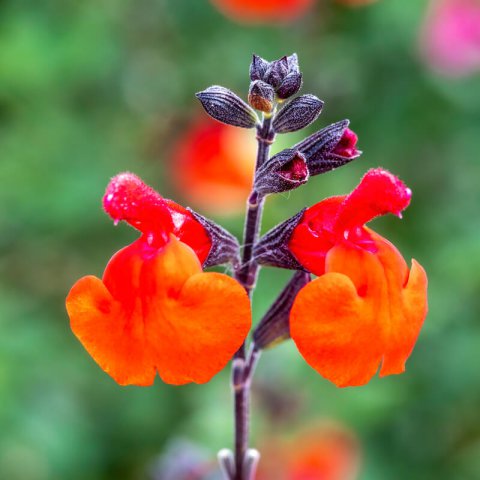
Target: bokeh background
<point>92,88</point>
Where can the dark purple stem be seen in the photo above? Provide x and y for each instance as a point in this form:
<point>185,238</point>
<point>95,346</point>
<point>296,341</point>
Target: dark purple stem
<point>243,365</point>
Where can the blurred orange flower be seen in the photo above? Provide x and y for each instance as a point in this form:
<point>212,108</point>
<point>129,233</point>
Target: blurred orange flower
<point>214,165</point>
<point>155,310</point>
<point>323,452</point>
<point>366,307</point>
<point>263,10</point>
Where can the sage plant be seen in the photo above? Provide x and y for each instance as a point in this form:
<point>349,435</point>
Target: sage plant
<point>156,311</point>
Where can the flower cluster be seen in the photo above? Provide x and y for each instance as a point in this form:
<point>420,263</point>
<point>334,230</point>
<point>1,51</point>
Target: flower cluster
<point>156,310</point>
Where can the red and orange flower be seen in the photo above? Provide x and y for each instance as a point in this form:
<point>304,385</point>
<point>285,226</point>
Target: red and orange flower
<point>366,307</point>
<point>155,310</point>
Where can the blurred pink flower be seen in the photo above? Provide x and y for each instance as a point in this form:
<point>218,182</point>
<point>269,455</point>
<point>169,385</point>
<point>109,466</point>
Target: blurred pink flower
<point>451,36</point>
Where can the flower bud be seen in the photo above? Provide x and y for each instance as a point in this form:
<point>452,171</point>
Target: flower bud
<point>290,85</point>
<point>297,114</point>
<point>283,172</point>
<point>274,327</point>
<point>258,67</point>
<point>329,148</point>
<point>273,248</point>
<point>261,96</point>
<point>276,72</point>
<point>226,107</point>
<point>282,75</point>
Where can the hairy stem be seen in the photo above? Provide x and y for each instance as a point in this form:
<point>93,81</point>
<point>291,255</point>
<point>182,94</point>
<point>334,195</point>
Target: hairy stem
<point>243,365</point>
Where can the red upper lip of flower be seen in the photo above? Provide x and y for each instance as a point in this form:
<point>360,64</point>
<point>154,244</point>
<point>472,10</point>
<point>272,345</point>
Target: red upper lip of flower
<point>342,218</point>
<point>128,198</point>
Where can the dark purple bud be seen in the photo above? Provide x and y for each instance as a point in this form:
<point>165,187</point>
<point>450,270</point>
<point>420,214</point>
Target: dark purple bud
<point>290,86</point>
<point>261,96</point>
<point>320,149</point>
<point>276,72</point>
<point>225,247</point>
<point>297,114</point>
<point>274,327</point>
<point>258,68</point>
<point>226,107</point>
<point>272,249</point>
<point>284,171</point>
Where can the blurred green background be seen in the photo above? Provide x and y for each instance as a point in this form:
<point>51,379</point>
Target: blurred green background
<point>92,88</point>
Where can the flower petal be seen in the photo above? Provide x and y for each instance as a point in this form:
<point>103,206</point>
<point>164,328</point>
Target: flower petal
<point>367,307</point>
<point>207,325</point>
<point>401,341</point>
<point>115,341</point>
<point>336,329</point>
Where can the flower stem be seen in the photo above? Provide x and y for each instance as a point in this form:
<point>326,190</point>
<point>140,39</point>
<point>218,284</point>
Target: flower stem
<point>244,365</point>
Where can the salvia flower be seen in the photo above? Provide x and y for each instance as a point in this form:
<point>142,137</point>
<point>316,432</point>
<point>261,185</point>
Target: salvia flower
<point>366,307</point>
<point>154,309</point>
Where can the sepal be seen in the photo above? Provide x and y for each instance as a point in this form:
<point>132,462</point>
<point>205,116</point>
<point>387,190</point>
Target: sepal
<point>225,247</point>
<point>290,85</point>
<point>284,171</point>
<point>272,249</point>
<point>324,150</point>
<point>274,327</point>
<point>226,107</point>
<point>276,72</point>
<point>258,67</point>
<point>297,114</point>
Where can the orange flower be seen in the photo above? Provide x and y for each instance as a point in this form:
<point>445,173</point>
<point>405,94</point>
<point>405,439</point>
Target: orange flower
<point>214,166</point>
<point>263,10</point>
<point>155,310</point>
<point>323,452</point>
<point>366,307</point>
